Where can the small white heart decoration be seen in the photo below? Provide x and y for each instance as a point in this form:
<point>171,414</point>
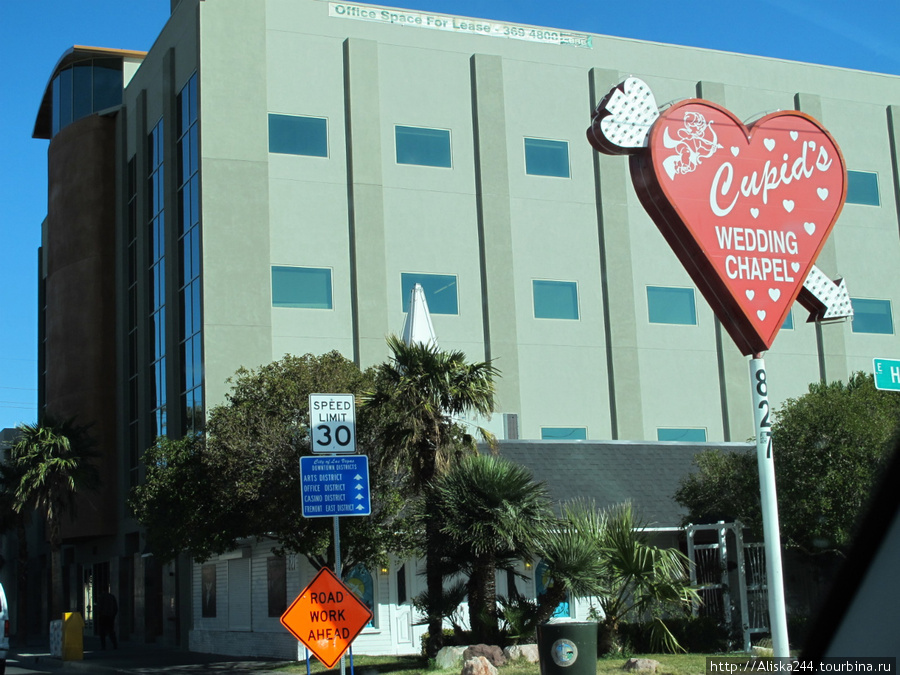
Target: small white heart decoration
<point>749,294</point>
<point>769,143</point>
<point>754,212</point>
<point>823,193</point>
<point>809,227</point>
<point>788,204</point>
<point>774,293</point>
<point>735,150</point>
<point>761,313</point>
<point>794,135</point>
<point>795,267</point>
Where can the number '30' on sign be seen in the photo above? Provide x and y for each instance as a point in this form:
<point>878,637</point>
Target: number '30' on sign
<point>332,423</point>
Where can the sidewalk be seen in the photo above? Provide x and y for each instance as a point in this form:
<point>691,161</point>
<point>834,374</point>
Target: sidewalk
<point>132,657</point>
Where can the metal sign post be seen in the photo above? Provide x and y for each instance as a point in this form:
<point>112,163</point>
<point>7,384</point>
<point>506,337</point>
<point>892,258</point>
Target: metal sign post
<point>750,253</point>
<point>765,461</point>
<point>329,482</point>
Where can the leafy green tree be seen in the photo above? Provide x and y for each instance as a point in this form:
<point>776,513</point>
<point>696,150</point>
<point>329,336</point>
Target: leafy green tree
<point>418,393</point>
<point>830,446</point>
<point>55,463</point>
<point>493,513</point>
<point>180,501</point>
<point>241,479</point>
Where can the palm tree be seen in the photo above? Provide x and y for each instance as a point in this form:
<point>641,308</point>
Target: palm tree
<point>572,550</point>
<point>420,390</point>
<point>493,514</point>
<point>605,554</point>
<point>639,577</point>
<point>54,462</point>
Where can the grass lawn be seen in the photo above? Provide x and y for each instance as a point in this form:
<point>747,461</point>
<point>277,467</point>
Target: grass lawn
<point>670,664</point>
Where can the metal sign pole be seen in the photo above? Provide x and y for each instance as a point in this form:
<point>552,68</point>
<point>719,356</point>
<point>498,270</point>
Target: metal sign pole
<point>771,534</point>
<point>337,567</point>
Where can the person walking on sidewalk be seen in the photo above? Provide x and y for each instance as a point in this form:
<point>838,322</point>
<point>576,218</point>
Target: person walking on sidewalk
<point>107,608</point>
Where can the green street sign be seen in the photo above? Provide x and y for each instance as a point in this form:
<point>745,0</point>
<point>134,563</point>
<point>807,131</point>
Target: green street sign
<point>887,374</point>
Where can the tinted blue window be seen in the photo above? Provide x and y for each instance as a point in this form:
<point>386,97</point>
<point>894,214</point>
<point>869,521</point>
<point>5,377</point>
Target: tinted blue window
<point>555,299</point>
<point>546,158</point>
<point>872,316</point>
<point>862,188</point>
<point>682,435</point>
<point>788,322</point>
<point>82,90</point>
<point>107,86</point>
<point>304,287</point>
<point>671,305</point>
<point>425,147</point>
<point>440,291</point>
<point>294,135</point>
<point>563,433</point>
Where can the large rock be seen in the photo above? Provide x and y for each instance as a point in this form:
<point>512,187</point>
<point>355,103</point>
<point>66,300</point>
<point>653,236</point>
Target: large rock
<point>522,652</point>
<point>449,657</point>
<point>478,665</point>
<point>492,653</point>
<point>642,666</point>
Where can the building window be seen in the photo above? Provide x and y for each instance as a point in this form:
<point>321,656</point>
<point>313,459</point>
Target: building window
<point>546,158</point>
<point>401,585</point>
<point>682,435</point>
<point>872,316</point>
<point>295,135</point>
<point>542,582</point>
<point>156,234</point>
<point>190,330</point>
<point>788,321</point>
<point>208,591</point>
<point>671,305</point>
<point>301,287</point>
<point>564,433</point>
<point>359,579</point>
<point>276,583</point>
<point>555,299</point>
<point>862,188</point>
<point>421,146</point>
<point>84,88</point>
<point>440,291</point>
<point>132,272</point>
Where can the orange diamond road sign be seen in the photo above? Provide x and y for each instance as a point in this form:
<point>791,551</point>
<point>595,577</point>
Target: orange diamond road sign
<point>326,617</point>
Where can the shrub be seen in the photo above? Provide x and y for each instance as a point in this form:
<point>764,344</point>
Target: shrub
<point>449,640</point>
<point>702,634</point>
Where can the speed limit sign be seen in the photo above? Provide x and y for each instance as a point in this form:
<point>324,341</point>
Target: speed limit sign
<point>332,423</point>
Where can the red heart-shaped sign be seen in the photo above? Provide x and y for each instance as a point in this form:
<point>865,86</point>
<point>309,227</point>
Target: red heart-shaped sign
<point>746,209</point>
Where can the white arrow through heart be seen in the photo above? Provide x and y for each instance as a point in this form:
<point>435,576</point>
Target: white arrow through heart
<point>826,299</point>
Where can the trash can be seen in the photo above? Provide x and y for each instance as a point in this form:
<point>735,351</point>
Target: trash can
<point>567,647</point>
<point>72,637</point>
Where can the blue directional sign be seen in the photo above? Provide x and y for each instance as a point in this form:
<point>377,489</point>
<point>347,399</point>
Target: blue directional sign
<point>887,374</point>
<point>335,486</point>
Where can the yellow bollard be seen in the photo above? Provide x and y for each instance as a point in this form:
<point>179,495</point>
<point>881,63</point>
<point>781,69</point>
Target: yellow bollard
<point>73,637</point>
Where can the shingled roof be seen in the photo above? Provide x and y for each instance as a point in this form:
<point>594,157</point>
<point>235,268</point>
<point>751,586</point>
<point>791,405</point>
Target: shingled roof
<point>611,472</point>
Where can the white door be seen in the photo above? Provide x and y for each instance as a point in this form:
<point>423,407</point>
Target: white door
<point>403,616</point>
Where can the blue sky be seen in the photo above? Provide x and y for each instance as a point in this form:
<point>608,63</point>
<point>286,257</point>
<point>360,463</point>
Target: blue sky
<point>35,33</point>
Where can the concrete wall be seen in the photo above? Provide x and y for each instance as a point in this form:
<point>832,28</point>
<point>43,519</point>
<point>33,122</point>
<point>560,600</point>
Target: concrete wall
<point>484,220</point>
